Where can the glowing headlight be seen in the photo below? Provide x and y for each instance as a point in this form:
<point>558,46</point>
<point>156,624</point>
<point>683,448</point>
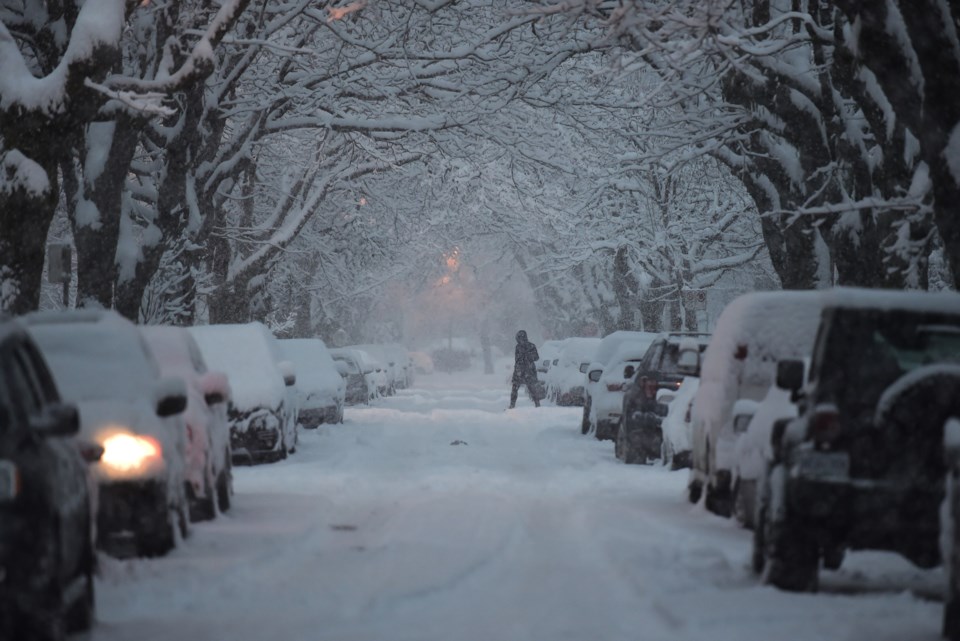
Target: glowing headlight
<point>129,453</point>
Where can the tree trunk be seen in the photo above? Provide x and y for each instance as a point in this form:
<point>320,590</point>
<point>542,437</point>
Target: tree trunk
<point>25,216</point>
<point>97,212</point>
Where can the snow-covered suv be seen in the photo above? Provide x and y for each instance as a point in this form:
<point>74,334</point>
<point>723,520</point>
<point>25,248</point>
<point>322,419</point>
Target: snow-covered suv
<point>862,466</point>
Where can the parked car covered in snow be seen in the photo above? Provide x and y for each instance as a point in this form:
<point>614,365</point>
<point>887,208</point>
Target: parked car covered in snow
<point>320,386</point>
<point>263,402</point>
<point>607,395</point>
<point>566,381</point>
<point>47,556</point>
<point>100,362</point>
<point>549,355</point>
<point>676,424</point>
<point>605,352</point>
<point>862,465</point>
<point>671,357</point>
<point>361,377</point>
<point>753,450</point>
<point>754,331</point>
<point>422,362</point>
<point>208,474</point>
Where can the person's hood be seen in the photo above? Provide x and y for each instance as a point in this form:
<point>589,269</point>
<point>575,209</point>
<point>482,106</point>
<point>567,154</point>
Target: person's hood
<point>521,337</point>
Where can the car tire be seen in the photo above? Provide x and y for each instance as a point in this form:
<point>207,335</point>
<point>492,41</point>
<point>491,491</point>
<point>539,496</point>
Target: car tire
<point>225,484</point>
<point>80,616</point>
<point>694,491</point>
<point>791,558</point>
<point>585,421</point>
<point>744,503</point>
<point>718,501</point>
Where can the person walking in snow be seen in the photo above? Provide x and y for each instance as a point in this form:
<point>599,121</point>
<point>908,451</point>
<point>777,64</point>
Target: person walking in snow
<point>525,369</point>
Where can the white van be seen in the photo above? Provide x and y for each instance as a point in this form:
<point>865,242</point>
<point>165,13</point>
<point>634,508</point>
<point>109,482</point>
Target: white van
<point>754,332</point>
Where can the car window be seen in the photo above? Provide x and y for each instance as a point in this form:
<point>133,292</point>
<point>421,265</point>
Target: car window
<point>22,386</point>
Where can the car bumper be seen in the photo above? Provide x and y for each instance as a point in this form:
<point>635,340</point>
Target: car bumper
<point>872,514</point>
<point>571,398</point>
<point>312,418</point>
<point>129,509</point>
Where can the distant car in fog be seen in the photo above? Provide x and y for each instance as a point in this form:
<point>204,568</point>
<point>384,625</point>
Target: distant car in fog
<point>607,394</point>
<point>320,387</point>
<point>263,401</point>
<point>566,380</point>
<point>604,353</point>
<point>209,478</point>
<point>47,556</point>
<point>362,384</point>
<point>101,363</point>
<point>422,362</point>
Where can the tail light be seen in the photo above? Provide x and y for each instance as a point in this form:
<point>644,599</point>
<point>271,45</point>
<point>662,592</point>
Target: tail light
<point>9,481</point>
<point>824,426</point>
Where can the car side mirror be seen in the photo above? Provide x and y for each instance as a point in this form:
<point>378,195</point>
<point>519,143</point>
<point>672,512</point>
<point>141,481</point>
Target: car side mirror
<point>661,409</point>
<point>56,419</point>
<point>790,375</point>
<point>584,367</point>
<point>289,373</point>
<point>629,371</point>
<point>171,397</point>
<point>215,387</point>
<point>594,375</point>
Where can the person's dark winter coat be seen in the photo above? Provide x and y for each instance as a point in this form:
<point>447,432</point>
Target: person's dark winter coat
<point>525,369</point>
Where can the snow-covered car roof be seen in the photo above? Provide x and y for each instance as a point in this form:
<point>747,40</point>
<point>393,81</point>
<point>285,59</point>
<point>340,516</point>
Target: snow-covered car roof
<point>316,371</point>
<point>94,355</point>
<point>610,343</point>
<point>175,349</point>
<point>946,302</point>
<point>248,355</point>
<point>758,329</point>
<point>578,350</point>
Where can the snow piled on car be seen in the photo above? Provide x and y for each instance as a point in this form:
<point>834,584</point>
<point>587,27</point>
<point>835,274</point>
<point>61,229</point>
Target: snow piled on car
<point>244,354</point>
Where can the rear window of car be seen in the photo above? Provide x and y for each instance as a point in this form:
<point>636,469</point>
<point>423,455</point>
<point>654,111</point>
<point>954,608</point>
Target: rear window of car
<point>867,350</point>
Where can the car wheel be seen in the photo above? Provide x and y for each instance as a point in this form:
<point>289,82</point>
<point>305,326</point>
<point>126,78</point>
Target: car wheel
<point>694,491</point>
<point>758,551</point>
<point>744,493</point>
<point>791,557</point>
<point>951,608</point>
<point>718,501</point>
<point>225,484</point>
<point>618,445</point>
<point>81,614</point>
<point>585,421</point>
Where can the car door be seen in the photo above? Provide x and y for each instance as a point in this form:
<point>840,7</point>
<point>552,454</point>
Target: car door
<point>58,463</point>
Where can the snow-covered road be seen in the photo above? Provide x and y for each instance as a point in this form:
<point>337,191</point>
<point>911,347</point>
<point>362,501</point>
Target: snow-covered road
<point>437,515</point>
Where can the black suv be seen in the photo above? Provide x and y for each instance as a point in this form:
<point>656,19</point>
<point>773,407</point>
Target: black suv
<point>862,466</point>
<point>46,538</point>
<point>670,358</point>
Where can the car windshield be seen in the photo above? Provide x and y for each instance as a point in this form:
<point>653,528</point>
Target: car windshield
<point>90,361</point>
<point>867,350</point>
